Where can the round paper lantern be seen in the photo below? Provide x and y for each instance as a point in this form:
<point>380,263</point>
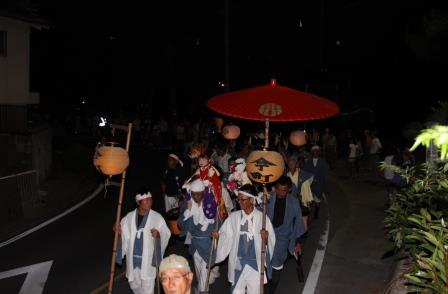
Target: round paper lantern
<point>231,132</point>
<point>110,159</point>
<point>219,122</point>
<point>297,138</point>
<point>265,166</point>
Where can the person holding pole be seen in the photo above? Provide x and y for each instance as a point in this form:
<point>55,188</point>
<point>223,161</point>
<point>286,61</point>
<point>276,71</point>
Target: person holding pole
<point>144,238</point>
<point>285,215</point>
<point>241,237</point>
<point>198,217</point>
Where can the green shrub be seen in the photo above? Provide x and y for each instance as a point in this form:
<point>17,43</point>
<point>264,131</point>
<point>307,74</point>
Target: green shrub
<point>415,221</point>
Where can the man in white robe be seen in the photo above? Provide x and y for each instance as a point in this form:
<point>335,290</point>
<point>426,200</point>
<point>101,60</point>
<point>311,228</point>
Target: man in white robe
<point>141,230</point>
<point>240,238</point>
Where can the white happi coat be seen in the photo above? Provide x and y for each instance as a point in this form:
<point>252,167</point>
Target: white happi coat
<point>229,237</point>
<point>128,235</point>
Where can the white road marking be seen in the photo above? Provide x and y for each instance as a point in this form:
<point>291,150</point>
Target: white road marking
<point>35,279</point>
<point>46,223</point>
<point>313,276</point>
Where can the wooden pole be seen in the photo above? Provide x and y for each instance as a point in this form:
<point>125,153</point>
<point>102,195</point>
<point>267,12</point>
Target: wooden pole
<point>118,216</point>
<point>263,243</point>
<point>266,134</point>
<point>265,196</point>
<point>154,242</point>
<point>212,249</point>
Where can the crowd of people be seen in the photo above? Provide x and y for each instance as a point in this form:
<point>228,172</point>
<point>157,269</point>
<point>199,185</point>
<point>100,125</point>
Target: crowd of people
<point>211,204</point>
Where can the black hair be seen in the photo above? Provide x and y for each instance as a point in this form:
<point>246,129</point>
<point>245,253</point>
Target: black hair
<point>233,158</point>
<point>284,181</point>
<point>248,188</point>
<point>142,190</point>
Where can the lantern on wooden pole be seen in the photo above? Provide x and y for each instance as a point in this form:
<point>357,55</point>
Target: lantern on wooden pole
<point>264,167</point>
<point>112,160</point>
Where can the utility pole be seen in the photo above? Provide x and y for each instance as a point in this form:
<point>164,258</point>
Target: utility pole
<point>226,46</point>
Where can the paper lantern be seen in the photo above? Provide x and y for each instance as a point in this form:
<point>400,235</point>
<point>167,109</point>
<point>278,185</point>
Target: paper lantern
<point>110,159</point>
<point>265,166</point>
<point>219,122</point>
<point>231,132</point>
<point>297,138</point>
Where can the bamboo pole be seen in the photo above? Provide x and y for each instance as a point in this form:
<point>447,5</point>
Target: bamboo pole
<point>263,242</point>
<point>157,264</point>
<point>118,216</point>
<point>212,249</point>
<point>265,195</point>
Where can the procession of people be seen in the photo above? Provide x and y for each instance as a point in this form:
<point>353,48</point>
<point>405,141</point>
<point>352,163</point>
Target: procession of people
<point>217,211</point>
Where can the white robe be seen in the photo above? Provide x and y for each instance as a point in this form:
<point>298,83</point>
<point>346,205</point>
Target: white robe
<point>128,234</point>
<point>229,236</point>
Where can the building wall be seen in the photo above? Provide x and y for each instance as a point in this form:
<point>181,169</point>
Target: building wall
<point>15,67</point>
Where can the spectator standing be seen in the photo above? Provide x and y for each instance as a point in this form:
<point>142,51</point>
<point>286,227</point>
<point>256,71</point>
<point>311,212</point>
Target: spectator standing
<point>375,151</point>
<point>319,168</point>
<point>173,178</point>
<point>329,145</point>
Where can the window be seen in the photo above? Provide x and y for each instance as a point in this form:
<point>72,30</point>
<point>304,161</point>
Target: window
<point>3,44</point>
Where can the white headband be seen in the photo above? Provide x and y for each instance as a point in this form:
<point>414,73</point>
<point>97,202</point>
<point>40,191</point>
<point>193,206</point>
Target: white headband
<point>315,147</point>
<point>139,197</point>
<point>197,186</point>
<point>245,194</point>
<point>177,158</point>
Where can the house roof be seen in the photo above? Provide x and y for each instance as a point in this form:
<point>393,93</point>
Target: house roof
<point>23,11</point>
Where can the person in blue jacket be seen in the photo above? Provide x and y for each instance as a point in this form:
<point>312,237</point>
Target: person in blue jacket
<point>285,214</point>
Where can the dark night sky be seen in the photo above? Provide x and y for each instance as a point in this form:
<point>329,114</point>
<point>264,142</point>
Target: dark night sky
<point>387,55</point>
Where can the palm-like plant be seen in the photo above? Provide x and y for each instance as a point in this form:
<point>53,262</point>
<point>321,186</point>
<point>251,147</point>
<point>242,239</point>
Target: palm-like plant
<point>416,220</point>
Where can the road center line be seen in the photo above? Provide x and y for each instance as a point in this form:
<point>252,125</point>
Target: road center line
<point>313,276</point>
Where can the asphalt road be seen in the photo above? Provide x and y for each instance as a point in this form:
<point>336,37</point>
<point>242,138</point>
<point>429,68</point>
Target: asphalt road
<point>78,247</point>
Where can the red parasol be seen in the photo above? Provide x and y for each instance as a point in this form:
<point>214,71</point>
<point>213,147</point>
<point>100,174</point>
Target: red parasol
<point>274,103</point>
<point>271,103</point>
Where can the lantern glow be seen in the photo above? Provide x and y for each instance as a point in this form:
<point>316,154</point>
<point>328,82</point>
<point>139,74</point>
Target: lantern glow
<point>231,132</point>
<point>111,160</point>
<point>297,138</point>
<point>265,166</point>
